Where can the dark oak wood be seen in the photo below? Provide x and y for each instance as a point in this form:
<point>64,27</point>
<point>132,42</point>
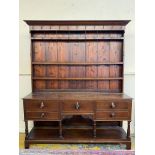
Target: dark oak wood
<point>94,129</point>
<point>80,22</point>
<point>26,129</point>
<point>88,96</point>
<point>128,130</point>
<point>76,63</point>
<point>105,135</point>
<point>81,40</point>
<point>60,129</point>
<point>77,83</point>
<point>42,116</point>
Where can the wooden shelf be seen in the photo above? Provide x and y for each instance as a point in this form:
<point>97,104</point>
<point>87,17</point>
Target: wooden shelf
<point>77,57</point>
<point>78,90</point>
<point>105,135</point>
<point>77,31</point>
<point>50,39</point>
<point>76,63</point>
<point>50,78</point>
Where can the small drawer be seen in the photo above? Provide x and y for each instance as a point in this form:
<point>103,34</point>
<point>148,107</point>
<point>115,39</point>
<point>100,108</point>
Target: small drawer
<point>41,105</point>
<point>121,105</point>
<point>113,115</point>
<point>41,116</point>
<point>77,106</point>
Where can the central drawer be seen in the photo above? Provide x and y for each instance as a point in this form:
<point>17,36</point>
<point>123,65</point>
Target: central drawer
<point>77,106</point>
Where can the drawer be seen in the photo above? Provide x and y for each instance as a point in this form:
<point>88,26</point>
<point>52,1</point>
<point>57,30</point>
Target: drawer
<point>113,115</point>
<point>41,105</point>
<point>42,116</point>
<point>77,106</point>
<point>104,105</point>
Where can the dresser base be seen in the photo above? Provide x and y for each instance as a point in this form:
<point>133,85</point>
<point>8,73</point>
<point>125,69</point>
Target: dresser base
<point>77,117</point>
<point>106,135</point>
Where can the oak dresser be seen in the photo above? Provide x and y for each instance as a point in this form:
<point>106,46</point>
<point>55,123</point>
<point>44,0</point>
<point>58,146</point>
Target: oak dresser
<point>77,73</point>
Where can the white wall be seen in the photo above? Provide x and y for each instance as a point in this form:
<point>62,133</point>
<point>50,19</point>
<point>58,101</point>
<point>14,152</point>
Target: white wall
<point>74,10</point>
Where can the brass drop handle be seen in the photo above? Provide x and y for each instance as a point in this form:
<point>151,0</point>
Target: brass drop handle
<point>77,106</point>
<point>113,105</point>
<point>112,114</point>
<point>42,105</point>
<point>42,115</point>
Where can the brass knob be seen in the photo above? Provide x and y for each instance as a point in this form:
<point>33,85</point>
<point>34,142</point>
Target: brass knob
<point>77,106</point>
<point>42,115</point>
<point>42,105</point>
<point>112,114</point>
<point>113,105</point>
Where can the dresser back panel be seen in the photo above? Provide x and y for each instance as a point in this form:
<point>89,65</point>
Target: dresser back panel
<point>77,57</point>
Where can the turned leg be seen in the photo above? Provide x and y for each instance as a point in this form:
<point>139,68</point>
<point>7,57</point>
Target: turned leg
<point>26,145</point>
<point>128,130</point>
<point>128,146</point>
<point>60,129</point>
<point>120,123</point>
<point>26,129</point>
<point>94,125</point>
<point>26,135</point>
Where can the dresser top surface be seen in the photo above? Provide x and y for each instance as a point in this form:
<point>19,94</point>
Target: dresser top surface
<point>77,22</point>
<point>75,96</point>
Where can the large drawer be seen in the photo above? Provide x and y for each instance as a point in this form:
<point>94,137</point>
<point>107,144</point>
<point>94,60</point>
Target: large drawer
<point>41,116</point>
<point>113,115</point>
<point>77,106</point>
<point>117,105</point>
<point>41,105</point>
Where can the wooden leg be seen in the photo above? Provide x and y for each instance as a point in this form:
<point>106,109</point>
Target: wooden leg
<point>60,129</point>
<point>120,123</point>
<point>26,129</point>
<point>27,145</point>
<point>26,135</point>
<point>94,129</point>
<point>128,130</point>
<point>128,146</point>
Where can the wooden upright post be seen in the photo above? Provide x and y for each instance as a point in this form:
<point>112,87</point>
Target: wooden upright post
<point>128,130</point>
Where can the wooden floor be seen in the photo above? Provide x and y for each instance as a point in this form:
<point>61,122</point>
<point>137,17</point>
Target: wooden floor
<point>22,136</point>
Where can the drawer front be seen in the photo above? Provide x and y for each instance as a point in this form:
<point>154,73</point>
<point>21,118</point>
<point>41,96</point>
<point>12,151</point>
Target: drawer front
<point>41,116</point>
<point>108,105</point>
<point>41,105</point>
<point>113,115</point>
<point>77,106</point>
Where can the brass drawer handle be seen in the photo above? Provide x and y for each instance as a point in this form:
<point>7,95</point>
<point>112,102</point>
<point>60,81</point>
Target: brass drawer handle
<point>42,105</point>
<point>77,106</point>
<point>42,115</point>
<point>113,105</point>
<point>112,114</point>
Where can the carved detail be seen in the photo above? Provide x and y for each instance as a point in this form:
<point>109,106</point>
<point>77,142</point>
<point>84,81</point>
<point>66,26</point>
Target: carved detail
<point>88,116</point>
